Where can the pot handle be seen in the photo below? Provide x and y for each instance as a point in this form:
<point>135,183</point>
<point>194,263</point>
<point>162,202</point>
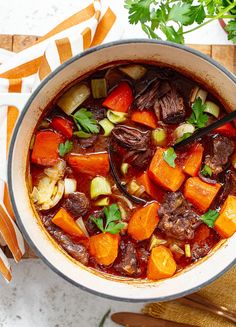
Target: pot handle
<point>17,100</point>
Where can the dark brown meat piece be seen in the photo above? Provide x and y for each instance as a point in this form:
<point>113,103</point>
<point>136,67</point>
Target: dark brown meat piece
<point>199,250</point>
<point>177,219</point>
<point>77,204</point>
<point>221,150</point>
<point>76,250</point>
<point>95,106</point>
<point>139,159</point>
<point>229,187</point>
<point>91,226</point>
<point>171,106</point>
<point>87,143</point>
<point>128,264</point>
<point>147,100</point>
<point>131,138</point>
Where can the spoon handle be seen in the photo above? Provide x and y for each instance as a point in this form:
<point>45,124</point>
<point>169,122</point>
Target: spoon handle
<point>198,302</point>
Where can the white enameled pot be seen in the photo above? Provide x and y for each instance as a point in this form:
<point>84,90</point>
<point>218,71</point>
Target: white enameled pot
<point>182,58</point>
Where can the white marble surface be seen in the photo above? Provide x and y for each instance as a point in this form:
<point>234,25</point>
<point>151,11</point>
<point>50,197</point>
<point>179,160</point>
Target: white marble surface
<point>38,297</point>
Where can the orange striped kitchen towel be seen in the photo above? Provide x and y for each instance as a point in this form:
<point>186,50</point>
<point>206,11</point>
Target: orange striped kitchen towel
<point>94,24</point>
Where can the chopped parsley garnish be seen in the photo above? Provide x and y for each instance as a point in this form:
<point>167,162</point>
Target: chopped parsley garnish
<point>113,222</point>
<point>169,156</point>
<point>198,118</point>
<point>206,171</point>
<point>85,122</point>
<point>210,217</point>
<point>65,148</point>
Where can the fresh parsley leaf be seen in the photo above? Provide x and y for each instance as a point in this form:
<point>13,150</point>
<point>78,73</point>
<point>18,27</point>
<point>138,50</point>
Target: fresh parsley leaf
<point>180,12</point>
<point>169,156</point>
<point>65,148</point>
<point>198,118</point>
<point>84,121</point>
<point>197,14</point>
<point>171,34</point>
<point>210,217</point>
<point>184,137</point>
<point>206,171</point>
<point>231,29</point>
<point>113,222</point>
<point>139,11</point>
<point>106,315</point>
<point>82,134</point>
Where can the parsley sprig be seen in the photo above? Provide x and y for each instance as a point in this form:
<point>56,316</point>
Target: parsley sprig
<point>206,171</point>
<point>198,118</point>
<point>169,156</point>
<point>168,18</point>
<point>113,222</point>
<point>65,148</point>
<point>210,217</point>
<point>85,122</point>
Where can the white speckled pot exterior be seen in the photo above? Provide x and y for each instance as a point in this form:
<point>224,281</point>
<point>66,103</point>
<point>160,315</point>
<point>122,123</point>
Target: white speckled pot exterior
<point>179,57</point>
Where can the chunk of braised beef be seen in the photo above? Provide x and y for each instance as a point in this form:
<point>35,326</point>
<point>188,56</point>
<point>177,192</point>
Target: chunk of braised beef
<point>177,219</point>
<point>95,106</point>
<point>131,138</point>
<point>228,187</point>
<point>91,226</point>
<point>146,100</point>
<point>139,159</point>
<point>77,204</point>
<point>87,143</point>
<point>199,251</point>
<point>76,250</point>
<point>171,106</point>
<point>220,151</point>
<point>128,265</point>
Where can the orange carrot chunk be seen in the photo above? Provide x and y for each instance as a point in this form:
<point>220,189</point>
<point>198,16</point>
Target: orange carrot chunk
<point>161,263</point>
<point>120,98</point>
<point>64,220</point>
<point>226,222</point>
<point>63,126</point>
<point>104,248</point>
<point>161,173</point>
<point>199,193</point>
<point>45,149</point>
<point>92,164</point>
<point>146,118</point>
<point>194,160</point>
<point>143,222</point>
<point>150,188</point>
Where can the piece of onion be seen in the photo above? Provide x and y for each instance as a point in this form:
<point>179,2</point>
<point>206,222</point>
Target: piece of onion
<point>133,186</point>
<point>99,186</point>
<point>73,98</point>
<point>123,198</point>
<point>57,171</point>
<point>124,168</point>
<point>212,108</point>
<point>102,202</point>
<point>198,93</point>
<point>57,196</point>
<point>81,225</point>
<point>107,126</point>
<point>175,248</point>
<point>70,185</point>
<point>134,71</point>
<point>183,129</point>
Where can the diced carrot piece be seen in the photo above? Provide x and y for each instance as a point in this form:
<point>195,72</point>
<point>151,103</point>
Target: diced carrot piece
<point>146,118</point>
<point>45,149</point>
<point>194,160</point>
<point>63,125</point>
<point>225,224</point>
<point>64,220</point>
<point>199,193</point>
<point>150,188</point>
<point>226,130</point>
<point>143,222</point>
<point>92,164</point>
<point>161,173</point>
<point>104,248</point>
<point>120,98</point>
<point>161,263</point>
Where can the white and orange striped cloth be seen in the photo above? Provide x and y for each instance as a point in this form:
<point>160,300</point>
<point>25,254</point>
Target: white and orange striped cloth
<point>96,23</point>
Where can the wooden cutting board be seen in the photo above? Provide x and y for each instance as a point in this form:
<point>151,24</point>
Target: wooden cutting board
<point>225,54</point>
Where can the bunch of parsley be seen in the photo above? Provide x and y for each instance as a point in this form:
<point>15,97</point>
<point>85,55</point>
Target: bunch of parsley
<point>168,18</point>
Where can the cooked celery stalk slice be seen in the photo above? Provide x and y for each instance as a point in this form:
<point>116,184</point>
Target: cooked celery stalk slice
<point>159,136</point>
<point>212,108</point>
<point>73,98</point>
<point>122,211</point>
<point>99,88</point>
<point>198,93</point>
<point>175,248</point>
<point>107,126</point>
<point>82,134</point>
<point>187,251</point>
<point>183,129</point>
<point>155,241</point>
<point>99,186</point>
<point>116,117</point>
<point>70,185</point>
<point>133,186</point>
<point>134,71</point>
<point>124,168</point>
<point>102,202</point>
